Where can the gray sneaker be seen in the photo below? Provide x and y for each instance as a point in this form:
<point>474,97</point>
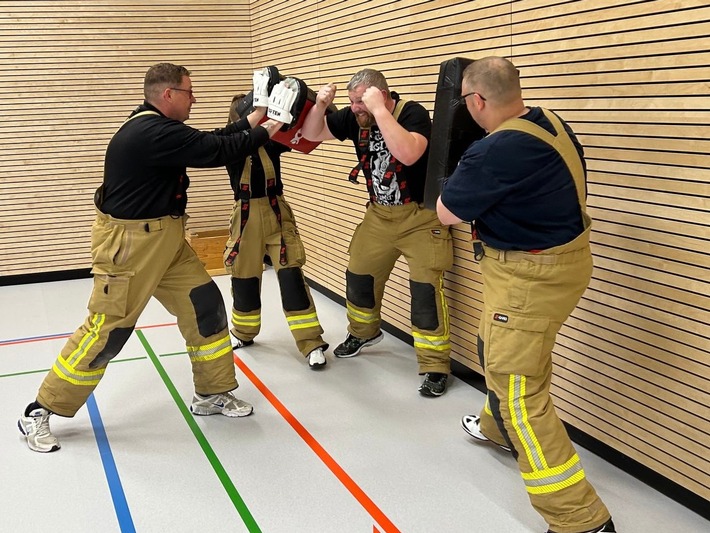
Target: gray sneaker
<point>352,345</point>
<point>224,404</point>
<point>35,428</point>
<point>433,385</point>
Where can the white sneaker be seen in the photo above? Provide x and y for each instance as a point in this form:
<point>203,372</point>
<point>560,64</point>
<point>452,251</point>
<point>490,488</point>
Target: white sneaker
<point>239,343</point>
<point>224,404</point>
<point>471,424</point>
<point>316,359</point>
<point>35,428</point>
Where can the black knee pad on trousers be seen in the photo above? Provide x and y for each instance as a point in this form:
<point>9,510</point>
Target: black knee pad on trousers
<point>117,338</point>
<point>209,309</point>
<point>293,289</point>
<point>245,293</point>
<point>360,289</point>
<point>479,345</point>
<point>423,305</point>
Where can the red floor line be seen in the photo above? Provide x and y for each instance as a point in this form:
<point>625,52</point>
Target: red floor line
<point>27,340</point>
<point>334,467</point>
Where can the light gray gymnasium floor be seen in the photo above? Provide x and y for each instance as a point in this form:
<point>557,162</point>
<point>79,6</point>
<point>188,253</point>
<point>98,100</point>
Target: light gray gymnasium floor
<point>351,449</point>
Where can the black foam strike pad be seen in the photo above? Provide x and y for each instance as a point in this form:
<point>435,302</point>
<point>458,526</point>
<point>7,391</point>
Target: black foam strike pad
<point>452,130</point>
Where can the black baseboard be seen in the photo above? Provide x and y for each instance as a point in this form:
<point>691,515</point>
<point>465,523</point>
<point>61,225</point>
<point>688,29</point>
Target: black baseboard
<point>43,277</point>
<point>641,472</point>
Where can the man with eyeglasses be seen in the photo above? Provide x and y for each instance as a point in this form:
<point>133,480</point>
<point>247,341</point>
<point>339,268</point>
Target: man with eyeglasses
<point>523,188</point>
<point>138,250</point>
<point>391,138</point>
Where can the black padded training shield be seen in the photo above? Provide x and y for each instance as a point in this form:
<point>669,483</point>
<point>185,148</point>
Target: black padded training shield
<point>452,130</point>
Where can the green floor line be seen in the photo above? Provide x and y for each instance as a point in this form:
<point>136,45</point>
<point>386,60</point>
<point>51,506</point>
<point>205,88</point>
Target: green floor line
<point>206,448</point>
<point>45,370</point>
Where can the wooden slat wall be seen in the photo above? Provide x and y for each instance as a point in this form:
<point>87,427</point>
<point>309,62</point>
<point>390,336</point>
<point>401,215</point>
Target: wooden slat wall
<point>632,363</point>
<point>631,76</point>
<point>70,73</point>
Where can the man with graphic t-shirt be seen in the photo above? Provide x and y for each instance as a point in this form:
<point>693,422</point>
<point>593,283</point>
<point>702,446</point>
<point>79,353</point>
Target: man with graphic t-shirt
<point>391,139</point>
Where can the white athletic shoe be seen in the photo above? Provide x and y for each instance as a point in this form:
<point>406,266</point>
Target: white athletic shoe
<point>471,424</point>
<point>35,428</point>
<point>239,343</point>
<point>224,404</point>
<point>316,359</point>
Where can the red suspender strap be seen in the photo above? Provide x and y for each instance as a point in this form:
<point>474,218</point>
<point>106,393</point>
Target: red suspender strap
<point>363,143</point>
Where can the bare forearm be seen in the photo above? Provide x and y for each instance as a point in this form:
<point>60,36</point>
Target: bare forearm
<point>314,125</point>
<point>404,145</point>
<point>445,216</point>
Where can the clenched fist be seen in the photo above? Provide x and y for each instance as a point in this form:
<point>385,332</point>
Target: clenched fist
<point>326,94</point>
<point>373,98</point>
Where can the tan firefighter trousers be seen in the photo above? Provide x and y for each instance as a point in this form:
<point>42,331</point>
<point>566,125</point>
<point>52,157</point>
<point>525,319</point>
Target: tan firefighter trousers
<point>133,260</point>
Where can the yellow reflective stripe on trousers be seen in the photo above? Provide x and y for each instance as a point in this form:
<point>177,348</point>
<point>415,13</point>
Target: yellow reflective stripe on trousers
<point>303,321</point>
<point>431,342</point>
<point>87,341</point>
<point>246,320</point>
<point>444,307</point>
<point>76,377</point>
<point>359,316</point>
<point>555,478</point>
<point>542,479</point>
<point>211,351</point>
<point>487,407</point>
<point>519,418</point>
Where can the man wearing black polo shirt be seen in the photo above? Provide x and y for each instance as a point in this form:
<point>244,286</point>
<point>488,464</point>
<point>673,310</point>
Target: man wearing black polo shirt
<point>138,251</point>
<point>391,140</point>
<point>524,188</point>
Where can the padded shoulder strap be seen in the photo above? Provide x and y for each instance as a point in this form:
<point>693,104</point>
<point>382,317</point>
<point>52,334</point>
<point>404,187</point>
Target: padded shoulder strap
<point>141,114</point>
<point>561,142</point>
<point>398,108</point>
<point>266,163</point>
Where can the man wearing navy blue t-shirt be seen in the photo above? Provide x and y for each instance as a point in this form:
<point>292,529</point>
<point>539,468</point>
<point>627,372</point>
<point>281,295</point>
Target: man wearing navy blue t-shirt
<point>523,188</point>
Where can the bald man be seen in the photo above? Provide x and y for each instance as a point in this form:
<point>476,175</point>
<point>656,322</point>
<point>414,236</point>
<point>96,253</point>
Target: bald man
<point>523,188</point>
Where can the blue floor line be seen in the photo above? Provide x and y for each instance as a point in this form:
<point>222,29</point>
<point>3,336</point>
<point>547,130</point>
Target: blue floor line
<point>123,513</point>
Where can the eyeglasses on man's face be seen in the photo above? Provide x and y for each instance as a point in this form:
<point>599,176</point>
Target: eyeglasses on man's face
<point>188,91</point>
<point>462,99</point>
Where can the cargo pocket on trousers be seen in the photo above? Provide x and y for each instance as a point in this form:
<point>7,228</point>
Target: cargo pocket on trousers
<point>295,253</point>
<point>442,248</point>
<point>352,239</point>
<point>515,344</point>
<point>110,294</point>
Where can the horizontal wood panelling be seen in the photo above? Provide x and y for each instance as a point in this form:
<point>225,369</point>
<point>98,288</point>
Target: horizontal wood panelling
<point>630,76</point>
<point>71,72</point>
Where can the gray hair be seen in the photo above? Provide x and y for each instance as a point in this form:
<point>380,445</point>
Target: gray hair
<point>370,78</point>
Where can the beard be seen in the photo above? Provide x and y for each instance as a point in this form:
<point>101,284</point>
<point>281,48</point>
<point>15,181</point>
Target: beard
<point>365,120</point>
